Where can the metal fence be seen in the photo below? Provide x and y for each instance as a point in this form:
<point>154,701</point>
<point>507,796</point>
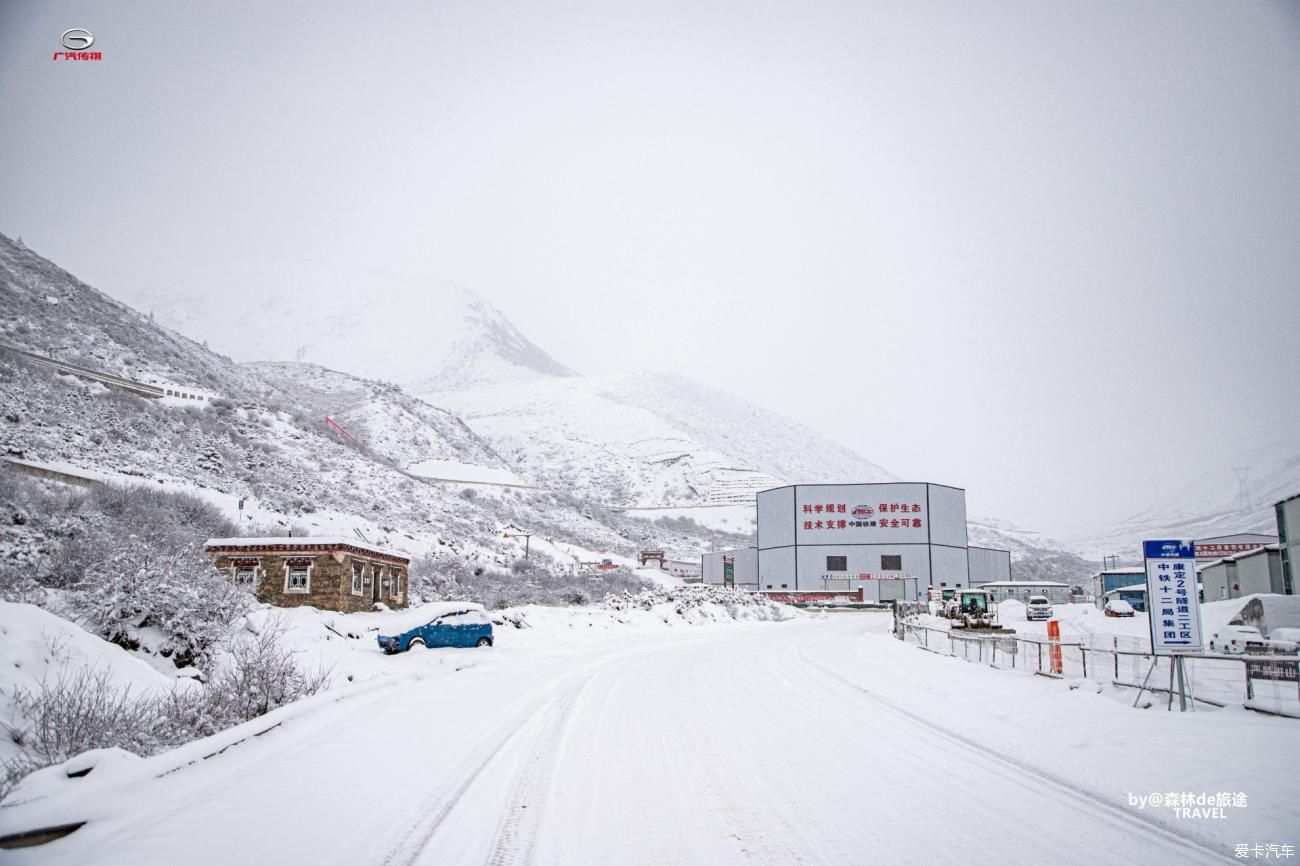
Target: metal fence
<point>1266,683</point>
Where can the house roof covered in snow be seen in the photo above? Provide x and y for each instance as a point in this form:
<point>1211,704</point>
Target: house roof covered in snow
<point>1020,583</point>
<point>325,543</point>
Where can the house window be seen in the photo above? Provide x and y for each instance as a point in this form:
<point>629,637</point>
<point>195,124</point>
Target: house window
<point>297,575</point>
<point>396,588</point>
<point>246,576</point>
<point>837,563</point>
<point>891,562</point>
<point>358,569</point>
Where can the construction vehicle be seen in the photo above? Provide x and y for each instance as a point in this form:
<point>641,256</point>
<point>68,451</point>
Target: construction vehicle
<point>972,609</point>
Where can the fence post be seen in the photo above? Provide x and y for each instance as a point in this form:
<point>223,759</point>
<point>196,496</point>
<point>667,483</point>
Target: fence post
<point>1115,646</point>
<point>1083,652</point>
<point>1040,658</point>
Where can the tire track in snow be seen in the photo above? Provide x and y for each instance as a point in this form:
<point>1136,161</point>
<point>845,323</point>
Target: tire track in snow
<point>516,837</point>
<point>432,811</point>
<point>539,721</point>
<point>1014,769</point>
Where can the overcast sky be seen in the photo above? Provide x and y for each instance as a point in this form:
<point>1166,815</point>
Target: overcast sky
<point>974,241</point>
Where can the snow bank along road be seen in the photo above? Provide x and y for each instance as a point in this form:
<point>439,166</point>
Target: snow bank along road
<point>821,740</point>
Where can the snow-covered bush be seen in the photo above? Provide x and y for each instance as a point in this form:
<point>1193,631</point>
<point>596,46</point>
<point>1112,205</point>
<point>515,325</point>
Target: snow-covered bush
<point>532,581</point>
<point>694,602</point>
<point>129,558</point>
<point>81,710</point>
<point>259,674</point>
<point>158,580</point>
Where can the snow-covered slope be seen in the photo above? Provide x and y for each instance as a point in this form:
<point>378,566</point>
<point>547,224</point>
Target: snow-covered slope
<point>646,439</point>
<point>1236,496</point>
<point>383,417</point>
<point>49,311</point>
<point>370,323</point>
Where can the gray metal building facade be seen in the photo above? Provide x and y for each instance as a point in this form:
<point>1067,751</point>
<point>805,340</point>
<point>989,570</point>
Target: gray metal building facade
<point>816,537</point>
<point>1288,536</point>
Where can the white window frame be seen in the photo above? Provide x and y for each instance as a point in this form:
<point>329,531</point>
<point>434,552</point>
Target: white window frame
<point>358,576</point>
<point>258,572</point>
<point>296,590</point>
<point>394,581</point>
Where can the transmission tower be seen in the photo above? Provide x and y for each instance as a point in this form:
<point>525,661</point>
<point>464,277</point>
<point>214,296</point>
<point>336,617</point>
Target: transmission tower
<point>1244,500</point>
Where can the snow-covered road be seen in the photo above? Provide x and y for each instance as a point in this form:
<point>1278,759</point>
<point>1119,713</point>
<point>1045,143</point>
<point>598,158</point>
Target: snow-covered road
<point>814,741</point>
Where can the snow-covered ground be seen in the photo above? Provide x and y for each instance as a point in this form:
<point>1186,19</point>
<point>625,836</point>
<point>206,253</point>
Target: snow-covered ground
<point>38,647</point>
<point>586,740</point>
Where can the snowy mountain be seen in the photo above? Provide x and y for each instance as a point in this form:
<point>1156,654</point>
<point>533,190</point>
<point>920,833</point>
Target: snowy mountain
<point>264,439</point>
<point>646,439</point>
<point>1237,496</point>
<point>378,325</point>
<point>487,406</point>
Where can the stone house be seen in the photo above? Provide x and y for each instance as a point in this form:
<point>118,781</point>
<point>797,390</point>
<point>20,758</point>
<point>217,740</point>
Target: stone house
<point>331,573</point>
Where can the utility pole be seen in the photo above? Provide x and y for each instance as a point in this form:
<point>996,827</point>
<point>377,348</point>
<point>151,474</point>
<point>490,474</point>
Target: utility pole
<point>526,536</point>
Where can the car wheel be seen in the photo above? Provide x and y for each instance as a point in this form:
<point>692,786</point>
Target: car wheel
<point>415,642</point>
<point>484,641</point>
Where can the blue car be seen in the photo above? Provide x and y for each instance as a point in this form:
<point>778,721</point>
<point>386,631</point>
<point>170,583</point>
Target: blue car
<point>465,626</point>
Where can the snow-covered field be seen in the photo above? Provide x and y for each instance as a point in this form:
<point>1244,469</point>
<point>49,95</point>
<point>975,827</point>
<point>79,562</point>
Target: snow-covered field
<point>583,739</point>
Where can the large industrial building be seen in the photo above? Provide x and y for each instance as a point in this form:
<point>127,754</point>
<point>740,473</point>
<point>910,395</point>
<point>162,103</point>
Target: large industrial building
<point>891,541</point>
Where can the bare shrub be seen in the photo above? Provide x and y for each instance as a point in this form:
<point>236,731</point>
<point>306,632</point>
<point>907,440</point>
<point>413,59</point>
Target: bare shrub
<point>259,675</point>
<point>80,710</point>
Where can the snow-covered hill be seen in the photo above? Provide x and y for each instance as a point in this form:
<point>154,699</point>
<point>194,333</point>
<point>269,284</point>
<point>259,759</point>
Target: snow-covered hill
<point>49,311</point>
<point>370,323</point>
<point>1237,496</point>
<point>647,439</point>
